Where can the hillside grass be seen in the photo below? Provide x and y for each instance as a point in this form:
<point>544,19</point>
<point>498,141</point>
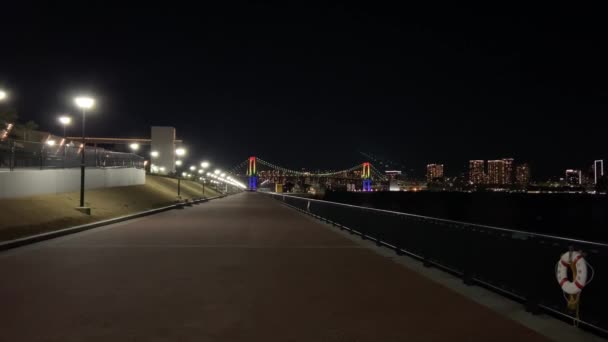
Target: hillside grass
<point>38,214</point>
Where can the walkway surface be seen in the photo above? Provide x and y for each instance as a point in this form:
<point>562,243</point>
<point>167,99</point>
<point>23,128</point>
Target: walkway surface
<point>242,268</point>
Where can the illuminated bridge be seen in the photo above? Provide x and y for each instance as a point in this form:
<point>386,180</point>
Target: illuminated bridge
<point>264,174</point>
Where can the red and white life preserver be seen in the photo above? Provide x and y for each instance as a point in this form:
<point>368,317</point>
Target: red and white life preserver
<point>580,278</point>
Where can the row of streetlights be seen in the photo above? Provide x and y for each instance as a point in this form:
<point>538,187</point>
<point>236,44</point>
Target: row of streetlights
<point>204,165</point>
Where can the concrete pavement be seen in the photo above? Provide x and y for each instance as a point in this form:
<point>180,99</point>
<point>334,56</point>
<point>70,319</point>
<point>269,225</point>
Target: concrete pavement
<point>242,268</point>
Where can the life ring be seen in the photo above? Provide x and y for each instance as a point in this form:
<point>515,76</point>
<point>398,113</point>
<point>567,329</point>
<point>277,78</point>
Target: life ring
<point>577,263</point>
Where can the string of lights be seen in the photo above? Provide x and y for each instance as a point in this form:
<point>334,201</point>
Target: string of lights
<point>378,173</point>
<point>239,166</point>
<point>374,171</point>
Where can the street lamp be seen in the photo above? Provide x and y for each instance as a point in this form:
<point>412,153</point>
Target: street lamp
<point>205,164</point>
<point>180,152</point>
<point>50,142</point>
<point>192,168</point>
<point>3,95</point>
<point>64,120</point>
<point>84,103</point>
<point>134,146</point>
<point>217,171</point>
<point>178,163</point>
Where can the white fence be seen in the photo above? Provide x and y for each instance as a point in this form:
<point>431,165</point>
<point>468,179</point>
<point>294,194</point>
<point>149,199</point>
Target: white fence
<point>22,183</point>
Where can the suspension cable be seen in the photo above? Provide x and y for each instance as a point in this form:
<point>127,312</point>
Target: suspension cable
<point>300,173</point>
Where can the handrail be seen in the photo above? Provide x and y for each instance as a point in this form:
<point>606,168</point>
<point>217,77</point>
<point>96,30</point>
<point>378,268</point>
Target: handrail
<point>515,231</point>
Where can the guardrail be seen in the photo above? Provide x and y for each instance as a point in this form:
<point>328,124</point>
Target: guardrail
<point>519,264</point>
<point>16,154</point>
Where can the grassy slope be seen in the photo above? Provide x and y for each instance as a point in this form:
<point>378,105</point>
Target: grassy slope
<point>32,215</point>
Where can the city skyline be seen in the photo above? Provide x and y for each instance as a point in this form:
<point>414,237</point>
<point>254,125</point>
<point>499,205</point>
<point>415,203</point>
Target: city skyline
<point>507,171</point>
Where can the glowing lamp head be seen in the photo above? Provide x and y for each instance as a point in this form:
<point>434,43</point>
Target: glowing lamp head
<point>205,165</point>
<point>50,142</point>
<point>192,168</point>
<point>65,120</point>
<point>184,174</point>
<point>178,162</point>
<point>3,95</point>
<point>180,152</point>
<point>84,102</point>
<point>223,175</point>
<point>217,171</point>
<point>201,171</point>
<point>154,154</point>
<point>134,146</point>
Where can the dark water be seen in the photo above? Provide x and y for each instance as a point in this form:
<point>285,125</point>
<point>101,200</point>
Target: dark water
<point>569,215</point>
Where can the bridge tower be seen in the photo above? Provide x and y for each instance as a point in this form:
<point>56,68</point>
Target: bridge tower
<point>366,176</point>
<point>252,174</point>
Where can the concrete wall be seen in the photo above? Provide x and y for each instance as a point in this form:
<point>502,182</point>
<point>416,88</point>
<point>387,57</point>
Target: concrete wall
<point>21,183</point>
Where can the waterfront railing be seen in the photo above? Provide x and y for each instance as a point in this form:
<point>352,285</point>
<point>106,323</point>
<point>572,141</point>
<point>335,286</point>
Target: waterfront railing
<point>516,263</point>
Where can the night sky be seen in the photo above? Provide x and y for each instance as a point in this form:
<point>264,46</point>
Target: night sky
<point>311,87</point>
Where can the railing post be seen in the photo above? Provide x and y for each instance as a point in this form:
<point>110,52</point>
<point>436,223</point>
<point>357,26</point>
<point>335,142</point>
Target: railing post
<point>11,162</point>
<point>469,258</point>
<point>426,262</point>
<point>534,291</point>
<point>65,146</point>
<point>41,156</point>
<point>467,278</point>
<point>532,304</point>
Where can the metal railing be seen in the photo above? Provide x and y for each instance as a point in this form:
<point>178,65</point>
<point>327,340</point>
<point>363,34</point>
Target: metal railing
<point>16,154</point>
<point>516,263</point>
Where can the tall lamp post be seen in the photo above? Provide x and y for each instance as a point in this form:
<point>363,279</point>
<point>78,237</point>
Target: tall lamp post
<point>180,152</point>
<point>84,103</point>
<point>64,120</point>
<point>204,166</point>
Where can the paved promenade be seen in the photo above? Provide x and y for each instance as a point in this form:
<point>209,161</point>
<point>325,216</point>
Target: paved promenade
<point>241,268</point>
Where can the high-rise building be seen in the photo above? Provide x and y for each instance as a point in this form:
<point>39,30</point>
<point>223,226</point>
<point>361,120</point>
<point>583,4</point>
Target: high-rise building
<point>522,174</point>
<point>509,171</point>
<point>434,172</point>
<point>496,172</point>
<point>476,171</point>
<point>574,177</point>
<point>598,170</point>
<point>393,179</point>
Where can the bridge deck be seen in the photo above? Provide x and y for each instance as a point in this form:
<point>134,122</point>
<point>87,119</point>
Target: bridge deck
<point>243,268</point>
